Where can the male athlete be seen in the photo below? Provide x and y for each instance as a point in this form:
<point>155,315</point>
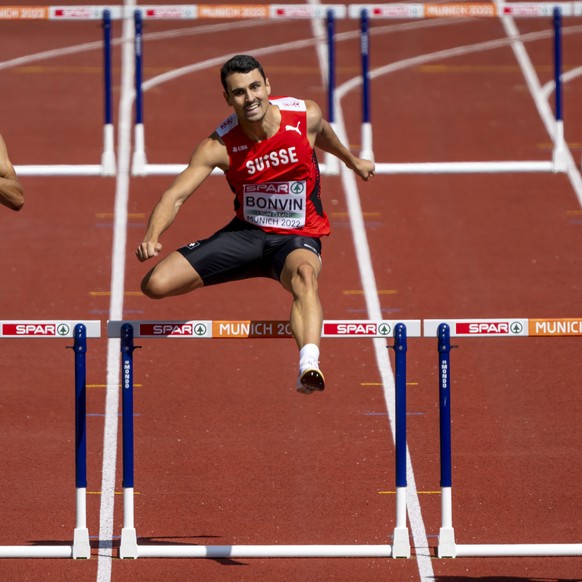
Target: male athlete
<point>11,191</point>
<point>266,152</point>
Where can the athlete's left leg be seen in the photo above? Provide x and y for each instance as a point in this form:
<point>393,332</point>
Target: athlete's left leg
<point>299,276</point>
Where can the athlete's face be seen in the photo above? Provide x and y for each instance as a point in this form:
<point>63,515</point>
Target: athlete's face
<point>248,94</point>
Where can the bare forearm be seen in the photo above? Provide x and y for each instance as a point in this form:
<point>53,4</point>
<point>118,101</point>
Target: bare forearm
<point>160,220</point>
<point>329,142</point>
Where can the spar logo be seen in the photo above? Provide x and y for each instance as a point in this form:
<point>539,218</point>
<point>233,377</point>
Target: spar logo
<point>36,329</point>
<point>398,10</point>
<point>489,328</point>
<point>173,329</point>
<point>296,188</point>
<point>170,12</point>
<point>81,12</point>
<point>364,328</point>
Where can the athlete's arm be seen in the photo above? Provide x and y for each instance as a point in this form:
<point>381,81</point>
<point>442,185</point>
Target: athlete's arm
<point>322,135</point>
<point>11,190</point>
<point>210,154</point>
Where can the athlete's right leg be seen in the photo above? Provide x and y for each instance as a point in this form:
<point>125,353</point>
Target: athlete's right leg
<point>299,276</point>
<point>173,275</point>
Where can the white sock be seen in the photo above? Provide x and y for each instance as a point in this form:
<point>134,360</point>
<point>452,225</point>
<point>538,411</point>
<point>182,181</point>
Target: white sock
<point>308,356</point>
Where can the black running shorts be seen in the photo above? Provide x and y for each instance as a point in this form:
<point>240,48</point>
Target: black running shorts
<point>242,251</point>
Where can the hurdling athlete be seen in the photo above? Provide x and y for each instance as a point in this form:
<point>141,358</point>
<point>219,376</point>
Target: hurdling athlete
<point>266,150</point>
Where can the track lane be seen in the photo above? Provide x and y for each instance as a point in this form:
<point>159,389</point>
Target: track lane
<point>388,300</point>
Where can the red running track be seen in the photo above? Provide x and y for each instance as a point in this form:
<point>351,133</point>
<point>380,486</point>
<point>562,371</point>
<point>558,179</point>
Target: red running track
<point>226,451</point>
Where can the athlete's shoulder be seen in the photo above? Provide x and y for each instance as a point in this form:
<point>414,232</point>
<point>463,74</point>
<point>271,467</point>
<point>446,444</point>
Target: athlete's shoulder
<point>289,103</point>
<point>227,125</point>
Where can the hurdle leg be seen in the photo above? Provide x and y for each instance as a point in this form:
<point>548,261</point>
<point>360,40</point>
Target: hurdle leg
<point>331,165</point>
<point>559,154</point>
<point>400,537</point>
<point>139,161</point>
<point>446,542</point>
<point>128,544</point>
<point>81,546</point>
<point>108,157</point>
<point>367,151</point>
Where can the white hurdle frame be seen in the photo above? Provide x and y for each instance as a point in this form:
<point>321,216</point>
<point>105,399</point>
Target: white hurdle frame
<point>54,329</point>
<point>444,329</point>
<point>207,329</point>
<point>106,14</point>
<point>399,11</point>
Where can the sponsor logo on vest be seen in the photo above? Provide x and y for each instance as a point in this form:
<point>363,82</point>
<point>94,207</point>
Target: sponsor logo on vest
<point>293,128</point>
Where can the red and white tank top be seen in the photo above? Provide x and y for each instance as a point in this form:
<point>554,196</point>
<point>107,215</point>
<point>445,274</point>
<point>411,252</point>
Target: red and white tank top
<point>276,182</point>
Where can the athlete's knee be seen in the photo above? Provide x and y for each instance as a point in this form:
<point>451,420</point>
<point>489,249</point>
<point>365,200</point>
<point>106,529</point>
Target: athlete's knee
<point>153,286</point>
<point>305,278</point>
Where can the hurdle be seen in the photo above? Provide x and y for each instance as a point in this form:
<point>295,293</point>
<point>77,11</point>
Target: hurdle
<point>443,330</point>
<point>79,331</point>
<point>107,166</point>
<point>399,331</point>
<point>364,12</point>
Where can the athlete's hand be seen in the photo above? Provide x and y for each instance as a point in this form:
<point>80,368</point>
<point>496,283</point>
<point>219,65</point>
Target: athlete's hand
<point>365,169</point>
<point>148,249</point>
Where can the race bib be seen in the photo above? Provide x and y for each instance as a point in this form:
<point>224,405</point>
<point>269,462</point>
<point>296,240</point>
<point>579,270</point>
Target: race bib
<point>275,204</point>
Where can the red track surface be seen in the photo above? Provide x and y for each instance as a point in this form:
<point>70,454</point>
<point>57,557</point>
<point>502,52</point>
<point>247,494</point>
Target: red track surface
<point>226,451</point>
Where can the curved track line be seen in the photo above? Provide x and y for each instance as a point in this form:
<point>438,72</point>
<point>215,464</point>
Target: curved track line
<point>98,45</point>
<point>538,94</point>
<point>542,104</point>
<point>550,86</point>
<point>318,42</point>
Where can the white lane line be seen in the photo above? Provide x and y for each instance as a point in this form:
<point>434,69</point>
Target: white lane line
<point>116,305</point>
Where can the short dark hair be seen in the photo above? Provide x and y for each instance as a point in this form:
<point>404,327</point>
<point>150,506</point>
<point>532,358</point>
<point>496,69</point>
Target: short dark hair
<point>240,64</point>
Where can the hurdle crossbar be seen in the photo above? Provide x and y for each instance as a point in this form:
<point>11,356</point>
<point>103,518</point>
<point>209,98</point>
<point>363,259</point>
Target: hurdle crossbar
<point>208,329</point>
<point>79,331</point>
<point>443,330</point>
